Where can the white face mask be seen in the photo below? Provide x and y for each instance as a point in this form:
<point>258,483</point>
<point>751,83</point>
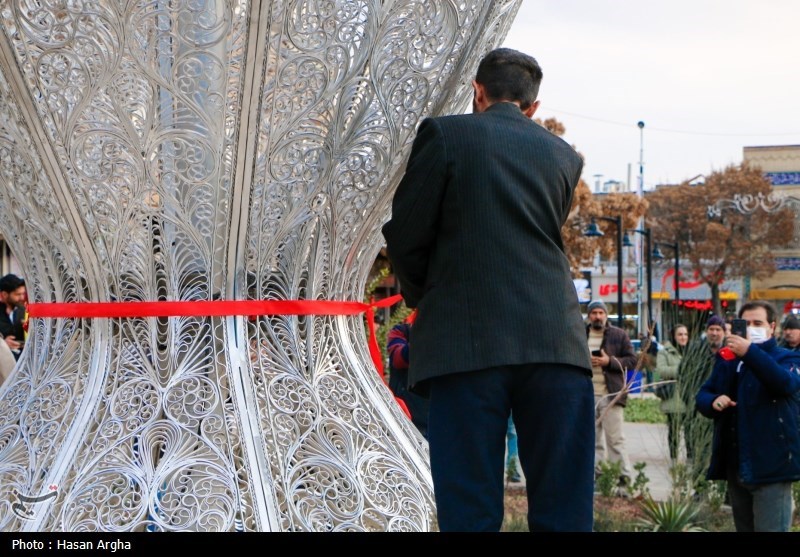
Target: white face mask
<point>757,335</point>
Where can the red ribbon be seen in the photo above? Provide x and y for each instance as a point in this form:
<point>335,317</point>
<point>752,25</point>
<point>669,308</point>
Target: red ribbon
<point>221,308</point>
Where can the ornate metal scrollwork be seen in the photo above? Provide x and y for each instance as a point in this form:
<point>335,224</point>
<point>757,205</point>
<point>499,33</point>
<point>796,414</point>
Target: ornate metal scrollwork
<point>204,149</point>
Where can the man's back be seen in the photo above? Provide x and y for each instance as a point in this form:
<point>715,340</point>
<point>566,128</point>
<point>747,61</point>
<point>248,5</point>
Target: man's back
<point>498,288</point>
<point>475,239</point>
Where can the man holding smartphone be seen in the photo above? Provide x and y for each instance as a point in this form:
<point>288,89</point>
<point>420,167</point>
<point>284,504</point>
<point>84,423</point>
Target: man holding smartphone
<point>612,355</point>
<point>754,399</point>
<point>739,327</point>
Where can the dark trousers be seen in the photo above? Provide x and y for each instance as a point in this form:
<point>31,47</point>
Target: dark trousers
<point>553,409</point>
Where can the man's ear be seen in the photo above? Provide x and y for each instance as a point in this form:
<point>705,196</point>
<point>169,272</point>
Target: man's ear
<point>531,110</point>
<point>480,101</point>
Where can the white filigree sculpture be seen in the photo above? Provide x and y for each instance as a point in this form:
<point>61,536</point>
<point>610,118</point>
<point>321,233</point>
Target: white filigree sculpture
<point>200,150</point>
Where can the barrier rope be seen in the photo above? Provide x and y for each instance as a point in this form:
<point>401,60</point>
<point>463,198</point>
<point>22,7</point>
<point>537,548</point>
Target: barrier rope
<point>224,308</point>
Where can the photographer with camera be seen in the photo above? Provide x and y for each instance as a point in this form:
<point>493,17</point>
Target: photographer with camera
<point>752,396</point>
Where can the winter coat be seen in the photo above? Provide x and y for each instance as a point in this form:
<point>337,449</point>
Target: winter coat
<point>765,383</point>
<point>667,363</point>
<point>617,344</point>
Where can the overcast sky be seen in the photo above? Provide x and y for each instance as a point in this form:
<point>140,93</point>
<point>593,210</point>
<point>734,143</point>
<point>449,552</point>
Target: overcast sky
<point>707,77</point>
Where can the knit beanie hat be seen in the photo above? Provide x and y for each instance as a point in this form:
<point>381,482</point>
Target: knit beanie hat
<point>715,320</point>
<point>594,304</point>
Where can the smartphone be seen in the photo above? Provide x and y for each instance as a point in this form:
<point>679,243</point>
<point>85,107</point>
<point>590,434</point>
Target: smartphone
<point>739,327</point>
<point>597,353</point>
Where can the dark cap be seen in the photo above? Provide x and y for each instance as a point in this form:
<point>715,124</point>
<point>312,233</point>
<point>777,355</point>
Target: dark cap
<point>791,322</point>
<point>10,282</point>
<point>715,320</point>
<point>597,304</point>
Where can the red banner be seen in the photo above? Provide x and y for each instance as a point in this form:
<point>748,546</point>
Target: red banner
<point>223,308</point>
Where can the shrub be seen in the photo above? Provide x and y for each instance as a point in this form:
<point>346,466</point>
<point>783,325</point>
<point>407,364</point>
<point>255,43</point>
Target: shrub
<point>639,488</point>
<point>672,515</point>
<point>607,479</point>
<point>644,410</point>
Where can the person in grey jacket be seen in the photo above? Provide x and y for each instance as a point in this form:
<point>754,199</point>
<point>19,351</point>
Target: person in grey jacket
<point>753,396</point>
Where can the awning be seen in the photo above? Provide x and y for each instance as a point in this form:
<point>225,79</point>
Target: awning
<point>722,295</point>
<point>775,294</point>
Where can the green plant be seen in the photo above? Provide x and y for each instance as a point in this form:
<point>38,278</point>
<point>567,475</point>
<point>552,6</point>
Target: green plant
<point>694,370</point>
<point>672,515</point>
<point>682,485</point>
<point>515,523</point>
<point>639,487</point>
<point>644,410</point>
<point>607,479</point>
<point>511,470</point>
<point>715,492</point>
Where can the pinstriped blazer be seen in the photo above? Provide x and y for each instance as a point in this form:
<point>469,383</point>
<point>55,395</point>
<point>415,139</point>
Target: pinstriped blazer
<point>475,240</point>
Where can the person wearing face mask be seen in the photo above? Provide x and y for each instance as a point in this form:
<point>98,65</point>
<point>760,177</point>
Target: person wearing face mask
<point>753,396</point>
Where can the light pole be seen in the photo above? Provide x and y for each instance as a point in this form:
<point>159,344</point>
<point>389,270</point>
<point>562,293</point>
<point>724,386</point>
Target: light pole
<point>594,231</point>
<point>658,255</point>
<point>646,233</point>
<point>640,226</point>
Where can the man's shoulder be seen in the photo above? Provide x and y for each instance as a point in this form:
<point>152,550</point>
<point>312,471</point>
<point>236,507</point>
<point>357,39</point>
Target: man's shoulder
<point>612,331</point>
<point>785,354</point>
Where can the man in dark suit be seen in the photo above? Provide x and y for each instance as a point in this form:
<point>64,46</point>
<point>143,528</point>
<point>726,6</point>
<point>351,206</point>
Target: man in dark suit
<point>475,239</point>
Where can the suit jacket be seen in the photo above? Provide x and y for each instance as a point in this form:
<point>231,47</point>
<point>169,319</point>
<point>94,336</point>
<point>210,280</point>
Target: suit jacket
<point>475,239</point>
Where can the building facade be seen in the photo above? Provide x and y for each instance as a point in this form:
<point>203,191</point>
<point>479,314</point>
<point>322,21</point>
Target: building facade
<point>781,164</point>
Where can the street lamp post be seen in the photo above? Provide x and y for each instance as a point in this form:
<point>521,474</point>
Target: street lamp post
<point>646,233</point>
<point>594,231</point>
<point>676,248</point>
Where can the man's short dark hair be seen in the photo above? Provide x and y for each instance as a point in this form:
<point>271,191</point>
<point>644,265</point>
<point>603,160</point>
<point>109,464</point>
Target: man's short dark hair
<point>769,308</point>
<point>510,75</point>
<point>10,282</point>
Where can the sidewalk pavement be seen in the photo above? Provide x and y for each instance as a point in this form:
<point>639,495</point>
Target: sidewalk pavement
<point>647,443</point>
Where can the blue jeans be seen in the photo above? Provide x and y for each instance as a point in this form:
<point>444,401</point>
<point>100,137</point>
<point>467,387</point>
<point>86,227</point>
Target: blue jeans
<point>511,443</point>
<point>761,507</point>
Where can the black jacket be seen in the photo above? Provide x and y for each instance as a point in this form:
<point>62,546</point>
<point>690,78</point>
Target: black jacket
<point>475,239</point>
